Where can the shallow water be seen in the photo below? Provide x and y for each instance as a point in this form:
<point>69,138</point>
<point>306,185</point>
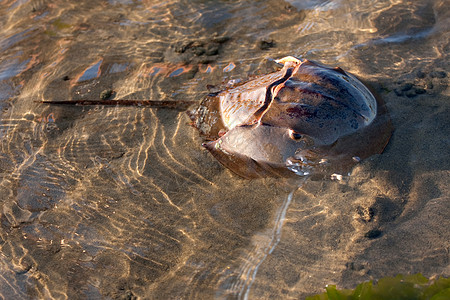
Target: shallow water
<point>123,202</point>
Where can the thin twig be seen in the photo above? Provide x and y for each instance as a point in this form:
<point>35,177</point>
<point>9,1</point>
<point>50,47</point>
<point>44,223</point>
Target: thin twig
<point>172,104</point>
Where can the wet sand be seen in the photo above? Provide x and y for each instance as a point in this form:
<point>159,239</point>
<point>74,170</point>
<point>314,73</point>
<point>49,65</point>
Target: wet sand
<point>124,203</point>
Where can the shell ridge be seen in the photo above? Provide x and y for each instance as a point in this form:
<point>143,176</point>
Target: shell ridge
<point>312,88</point>
<point>269,98</point>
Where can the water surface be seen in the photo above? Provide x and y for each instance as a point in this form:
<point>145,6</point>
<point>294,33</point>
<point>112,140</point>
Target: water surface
<point>123,202</point>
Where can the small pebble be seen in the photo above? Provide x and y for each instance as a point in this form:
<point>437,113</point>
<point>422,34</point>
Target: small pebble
<point>180,49</point>
<point>410,93</point>
<point>221,39</point>
<point>195,44</point>
<point>212,50</point>
<point>438,74</point>
<point>289,8</point>
<point>419,91</point>
<point>199,51</point>
<point>373,234</point>
<point>366,214</point>
<point>421,74</point>
<point>353,266</point>
<point>406,87</point>
<point>398,92</point>
<point>266,44</point>
<point>106,94</point>
<point>29,117</point>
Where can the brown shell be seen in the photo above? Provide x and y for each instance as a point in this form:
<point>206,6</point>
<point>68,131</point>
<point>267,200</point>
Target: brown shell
<point>306,118</point>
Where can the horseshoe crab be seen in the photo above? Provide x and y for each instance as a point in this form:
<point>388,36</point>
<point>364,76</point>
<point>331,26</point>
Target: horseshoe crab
<point>306,118</point>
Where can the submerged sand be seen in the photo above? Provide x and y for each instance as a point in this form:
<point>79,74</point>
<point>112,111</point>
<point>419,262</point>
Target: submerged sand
<point>123,203</point>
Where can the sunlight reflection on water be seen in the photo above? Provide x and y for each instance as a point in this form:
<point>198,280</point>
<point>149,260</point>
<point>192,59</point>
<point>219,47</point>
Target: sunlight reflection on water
<point>123,201</point>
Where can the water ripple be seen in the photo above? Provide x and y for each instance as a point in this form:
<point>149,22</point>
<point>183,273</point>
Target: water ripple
<point>123,202</point>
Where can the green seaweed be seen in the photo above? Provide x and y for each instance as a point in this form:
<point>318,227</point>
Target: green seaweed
<point>400,287</point>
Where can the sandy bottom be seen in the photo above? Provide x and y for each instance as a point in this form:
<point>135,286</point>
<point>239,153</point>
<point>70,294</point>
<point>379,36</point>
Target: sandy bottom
<point>124,203</point>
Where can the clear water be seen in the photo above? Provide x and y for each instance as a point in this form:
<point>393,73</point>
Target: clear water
<point>123,202</point>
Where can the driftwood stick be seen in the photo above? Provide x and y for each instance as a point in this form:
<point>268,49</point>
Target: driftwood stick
<point>172,104</point>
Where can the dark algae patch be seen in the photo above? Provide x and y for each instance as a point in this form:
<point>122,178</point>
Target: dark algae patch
<point>407,287</point>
